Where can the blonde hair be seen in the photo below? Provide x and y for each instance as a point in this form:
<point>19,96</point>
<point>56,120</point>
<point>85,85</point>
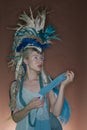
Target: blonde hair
<point>22,70</point>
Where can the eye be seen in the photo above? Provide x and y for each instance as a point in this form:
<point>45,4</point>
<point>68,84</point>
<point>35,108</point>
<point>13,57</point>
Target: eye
<point>34,57</point>
<point>42,58</point>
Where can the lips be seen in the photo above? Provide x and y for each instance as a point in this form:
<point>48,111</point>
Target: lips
<point>40,66</point>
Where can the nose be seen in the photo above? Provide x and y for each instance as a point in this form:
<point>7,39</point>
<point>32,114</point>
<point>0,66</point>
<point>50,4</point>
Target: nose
<point>40,60</point>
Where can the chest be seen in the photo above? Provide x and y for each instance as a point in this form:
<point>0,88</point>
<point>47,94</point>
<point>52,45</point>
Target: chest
<point>33,86</point>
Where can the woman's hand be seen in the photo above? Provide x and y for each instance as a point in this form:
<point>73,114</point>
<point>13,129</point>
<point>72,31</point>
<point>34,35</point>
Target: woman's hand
<point>69,79</point>
<point>58,104</point>
<point>35,103</point>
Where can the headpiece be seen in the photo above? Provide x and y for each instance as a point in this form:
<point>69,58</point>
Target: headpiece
<point>32,34</point>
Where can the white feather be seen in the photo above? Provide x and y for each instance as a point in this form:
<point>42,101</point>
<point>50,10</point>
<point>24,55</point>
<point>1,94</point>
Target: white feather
<point>18,67</point>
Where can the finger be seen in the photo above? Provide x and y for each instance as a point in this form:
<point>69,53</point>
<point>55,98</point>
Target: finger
<point>73,74</point>
<point>34,99</point>
<point>70,76</point>
<point>40,101</point>
<point>39,104</point>
<point>70,73</point>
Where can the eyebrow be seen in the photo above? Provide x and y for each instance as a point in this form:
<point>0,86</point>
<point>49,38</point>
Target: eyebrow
<point>36,54</point>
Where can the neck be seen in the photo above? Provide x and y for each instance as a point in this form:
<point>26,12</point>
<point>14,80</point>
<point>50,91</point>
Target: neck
<point>32,75</point>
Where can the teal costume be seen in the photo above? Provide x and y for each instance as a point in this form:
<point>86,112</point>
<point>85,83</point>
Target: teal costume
<point>38,119</point>
<point>34,35</point>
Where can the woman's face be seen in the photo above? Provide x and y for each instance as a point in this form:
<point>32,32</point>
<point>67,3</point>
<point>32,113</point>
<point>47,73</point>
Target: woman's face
<point>35,61</point>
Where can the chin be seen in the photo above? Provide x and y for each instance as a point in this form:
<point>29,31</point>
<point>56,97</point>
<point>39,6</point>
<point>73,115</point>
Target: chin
<point>38,70</point>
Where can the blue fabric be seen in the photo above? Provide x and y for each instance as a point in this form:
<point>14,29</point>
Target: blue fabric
<point>65,113</point>
<point>42,125</point>
<point>53,84</point>
<point>40,117</point>
<point>35,115</point>
<point>55,123</point>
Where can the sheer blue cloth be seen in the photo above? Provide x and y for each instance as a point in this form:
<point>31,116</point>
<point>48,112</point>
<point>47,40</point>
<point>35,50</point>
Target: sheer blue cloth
<point>65,113</point>
<point>38,119</point>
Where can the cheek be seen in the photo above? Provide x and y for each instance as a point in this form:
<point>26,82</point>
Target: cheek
<point>29,61</point>
<point>32,63</point>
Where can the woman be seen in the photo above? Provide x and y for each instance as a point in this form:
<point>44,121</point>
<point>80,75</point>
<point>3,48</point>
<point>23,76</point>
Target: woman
<point>34,104</point>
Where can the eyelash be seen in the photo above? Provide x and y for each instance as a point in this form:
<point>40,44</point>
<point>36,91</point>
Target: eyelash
<point>42,58</point>
<point>35,57</point>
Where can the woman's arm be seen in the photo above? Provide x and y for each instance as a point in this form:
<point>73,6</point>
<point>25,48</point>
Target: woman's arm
<point>57,103</point>
<point>16,114</point>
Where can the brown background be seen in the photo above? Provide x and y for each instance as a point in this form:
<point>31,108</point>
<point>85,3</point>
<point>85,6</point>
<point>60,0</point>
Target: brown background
<point>69,17</point>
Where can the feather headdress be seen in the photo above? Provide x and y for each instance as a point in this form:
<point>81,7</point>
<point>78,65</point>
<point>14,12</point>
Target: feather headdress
<point>31,33</point>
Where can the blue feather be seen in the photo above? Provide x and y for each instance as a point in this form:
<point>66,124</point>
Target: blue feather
<point>49,30</point>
